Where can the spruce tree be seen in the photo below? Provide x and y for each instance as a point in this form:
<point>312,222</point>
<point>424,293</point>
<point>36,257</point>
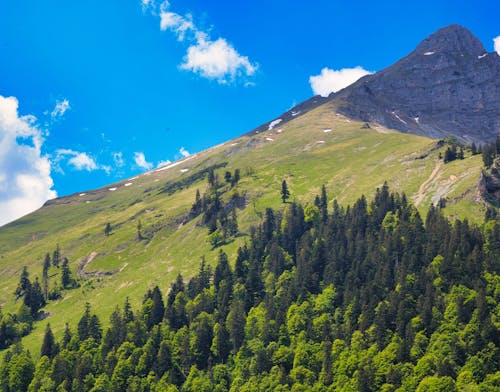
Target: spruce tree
<point>285,193</point>
<point>49,346</point>
<point>66,279</point>
<point>45,276</point>
<point>56,256</point>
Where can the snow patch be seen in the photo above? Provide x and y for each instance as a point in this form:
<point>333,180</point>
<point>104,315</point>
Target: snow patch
<point>269,139</point>
<point>295,113</point>
<point>272,124</point>
<point>279,130</point>
<point>112,189</point>
<point>321,141</point>
<point>482,56</point>
<point>87,202</point>
<point>417,119</point>
<point>234,144</point>
<point>429,53</point>
<point>184,170</point>
<point>128,183</point>
<point>82,194</point>
<point>327,130</point>
<point>399,118</point>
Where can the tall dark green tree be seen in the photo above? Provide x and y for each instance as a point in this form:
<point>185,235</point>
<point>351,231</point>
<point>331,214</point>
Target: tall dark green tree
<point>49,345</point>
<point>66,278</point>
<point>56,256</point>
<point>45,276</point>
<point>285,193</point>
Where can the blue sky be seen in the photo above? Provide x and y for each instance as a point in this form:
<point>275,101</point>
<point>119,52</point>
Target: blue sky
<point>92,92</point>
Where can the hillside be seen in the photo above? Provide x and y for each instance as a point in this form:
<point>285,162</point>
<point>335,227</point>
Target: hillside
<point>320,147</point>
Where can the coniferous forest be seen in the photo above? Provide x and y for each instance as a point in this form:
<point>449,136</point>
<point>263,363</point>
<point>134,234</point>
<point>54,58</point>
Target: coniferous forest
<point>369,297</point>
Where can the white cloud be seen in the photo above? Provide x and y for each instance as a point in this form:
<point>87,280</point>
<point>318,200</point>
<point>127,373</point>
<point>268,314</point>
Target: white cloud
<point>140,160</point>
<point>178,24</point>
<point>147,4</point>
<point>163,163</point>
<point>60,108</point>
<point>496,43</point>
<point>216,60</point>
<point>211,59</point>
<point>118,159</point>
<point>185,153</point>
<point>331,81</point>
<point>79,160</point>
<point>25,181</point>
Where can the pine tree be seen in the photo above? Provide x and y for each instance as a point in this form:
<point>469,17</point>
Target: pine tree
<point>49,346</point>
<point>24,283</point>
<point>66,279</point>
<point>107,229</point>
<point>56,256</point>
<point>158,310</point>
<point>84,323</point>
<point>45,276</point>
<point>285,193</point>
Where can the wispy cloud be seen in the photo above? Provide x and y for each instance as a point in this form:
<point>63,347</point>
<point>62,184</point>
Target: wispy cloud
<point>496,44</point>
<point>163,163</point>
<point>79,160</point>
<point>60,108</point>
<point>118,159</point>
<point>25,180</point>
<point>331,81</point>
<point>212,59</point>
<point>140,160</point>
<point>185,153</point>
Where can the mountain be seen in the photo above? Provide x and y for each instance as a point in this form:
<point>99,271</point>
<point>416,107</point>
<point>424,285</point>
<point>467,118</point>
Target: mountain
<point>449,85</point>
<point>155,235</point>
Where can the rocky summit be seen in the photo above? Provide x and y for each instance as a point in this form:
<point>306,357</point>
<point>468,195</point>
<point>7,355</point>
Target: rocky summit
<point>448,85</point>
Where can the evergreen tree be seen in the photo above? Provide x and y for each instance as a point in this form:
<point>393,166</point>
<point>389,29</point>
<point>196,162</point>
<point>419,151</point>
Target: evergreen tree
<point>49,346</point>
<point>24,283</point>
<point>285,193</point>
<point>56,256</point>
<point>66,278</point>
<point>45,276</point>
<point>84,324</point>
<point>107,229</point>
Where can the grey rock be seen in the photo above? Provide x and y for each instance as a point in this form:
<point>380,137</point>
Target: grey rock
<point>449,85</point>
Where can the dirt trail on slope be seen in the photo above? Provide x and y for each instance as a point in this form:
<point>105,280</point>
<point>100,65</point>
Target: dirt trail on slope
<point>81,273</point>
<point>419,197</point>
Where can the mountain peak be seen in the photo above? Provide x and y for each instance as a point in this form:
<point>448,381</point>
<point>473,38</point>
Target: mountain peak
<point>448,85</point>
<point>453,39</point>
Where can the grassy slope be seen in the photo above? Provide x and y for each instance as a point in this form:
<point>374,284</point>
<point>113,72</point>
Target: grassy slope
<point>349,160</point>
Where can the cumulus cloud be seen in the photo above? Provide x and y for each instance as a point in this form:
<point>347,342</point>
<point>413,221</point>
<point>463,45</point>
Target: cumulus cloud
<point>25,181</point>
<point>140,160</point>
<point>212,59</point>
<point>185,153</point>
<point>331,81</point>
<point>60,108</point>
<point>79,160</point>
<point>216,60</point>
<point>496,43</point>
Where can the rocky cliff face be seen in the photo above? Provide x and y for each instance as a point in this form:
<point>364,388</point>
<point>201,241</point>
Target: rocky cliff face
<point>448,85</point>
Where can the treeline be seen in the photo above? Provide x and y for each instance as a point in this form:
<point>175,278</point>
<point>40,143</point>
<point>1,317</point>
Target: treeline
<point>218,210</point>
<point>363,298</point>
<point>33,296</point>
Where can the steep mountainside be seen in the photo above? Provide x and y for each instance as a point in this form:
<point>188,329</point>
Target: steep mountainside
<point>449,85</point>
<point>320,147</point>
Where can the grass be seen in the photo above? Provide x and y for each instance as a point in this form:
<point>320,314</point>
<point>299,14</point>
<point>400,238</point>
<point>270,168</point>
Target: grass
<point>350,160</point>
